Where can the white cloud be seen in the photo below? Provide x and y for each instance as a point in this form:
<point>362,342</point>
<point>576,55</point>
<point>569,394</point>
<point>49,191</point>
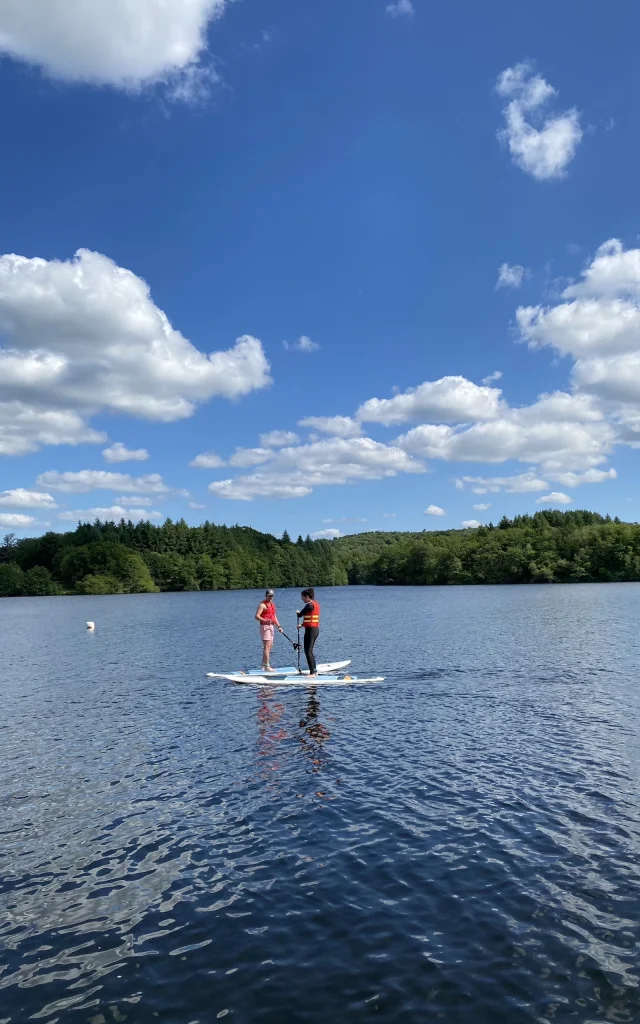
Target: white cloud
<point>520,484</point>
<point>15,521</point>
<point>278,439</point>
<point>338,426</point>
<point>207,460</point>
<point>123,43</point>
<point>590,476</point>
<point>555,498</point>
<point>345,519</point>
<point>19,498</point>
<point>434,510</point>
<point>493,377</point>
<point>118,452</point>
<point>86,480</point>
<point>112,513</point>
<point>556,446</point>
<point>245,457</point>
<point>25,427</point>
<point>196,504</point>
<point>132,499</point>
<point>294,472</point>
<point>83,337</point>
<point>544,148</point>
<point>303,344</point>
<point>448,400</point>
<point>389,515</point>
<point>597,323</point>
<point>400,8</point>
<point>325,534</point>
<point>471,524</point>
<point>510,276</point>
<point>482,507</point>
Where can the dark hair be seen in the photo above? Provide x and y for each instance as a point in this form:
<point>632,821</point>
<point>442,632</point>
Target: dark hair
<point>310,593</point>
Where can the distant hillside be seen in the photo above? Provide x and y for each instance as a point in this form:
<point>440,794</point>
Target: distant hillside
<point>548,547</point>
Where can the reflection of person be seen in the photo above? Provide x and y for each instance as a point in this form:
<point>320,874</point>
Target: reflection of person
<point>268,619</point>
<point>310,616</point>
<point>314,732</point>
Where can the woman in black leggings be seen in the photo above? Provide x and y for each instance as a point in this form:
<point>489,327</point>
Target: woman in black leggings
<point>310,616</point>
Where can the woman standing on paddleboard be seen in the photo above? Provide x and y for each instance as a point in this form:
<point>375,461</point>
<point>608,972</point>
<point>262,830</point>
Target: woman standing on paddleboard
<point>268,619</point>
<point>310,616</point>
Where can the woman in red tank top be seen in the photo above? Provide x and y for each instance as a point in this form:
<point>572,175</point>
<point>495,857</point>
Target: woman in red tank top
<point>268,619</point>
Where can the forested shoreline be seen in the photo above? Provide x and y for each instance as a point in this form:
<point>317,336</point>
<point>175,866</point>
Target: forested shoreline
<point>126,558</point>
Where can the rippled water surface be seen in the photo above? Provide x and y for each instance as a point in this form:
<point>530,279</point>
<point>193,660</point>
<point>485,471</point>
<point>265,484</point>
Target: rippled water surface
<point>458,843</point>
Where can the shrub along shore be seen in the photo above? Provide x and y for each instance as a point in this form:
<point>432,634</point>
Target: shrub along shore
<point>128,558</point>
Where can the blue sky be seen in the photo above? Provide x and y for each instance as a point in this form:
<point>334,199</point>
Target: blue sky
<point>428,195</point>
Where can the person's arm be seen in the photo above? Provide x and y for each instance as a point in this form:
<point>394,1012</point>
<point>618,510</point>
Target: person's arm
<point>308,608</point>
<point>259,612</point>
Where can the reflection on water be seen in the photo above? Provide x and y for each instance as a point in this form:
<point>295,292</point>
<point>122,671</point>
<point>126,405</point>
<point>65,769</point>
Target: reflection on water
<point>461,843</point>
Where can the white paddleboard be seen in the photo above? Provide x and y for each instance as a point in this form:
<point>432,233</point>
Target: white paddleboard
<point>329,668</point>
<point>303,681</point>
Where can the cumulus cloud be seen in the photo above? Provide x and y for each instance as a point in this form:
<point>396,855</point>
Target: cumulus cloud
<point>111,514</point>
<point>482,507</point>
<point>295,472</point>
<point>84,336</point>
<point>325,534</point>
<point>520,484</point>
<point>597,323</point>
<point>541,147</point>
<point>471,524</point>
<point>448,400</point>
<point>122,43</point>
<point>303,344</point>
<point>389,515</point>
<point>86,480</point>
<point>400,9</point>
<point>245,457</point>
<point>15,520</point>
<point>20,498</point>
<point>434,510</point>
<point>278,439</point>
<point>207,460</point>
<point>118,452</point>
<point>555,446</point>
<point>338,426</point>
<point>555,498</point>
<point>510,276</point>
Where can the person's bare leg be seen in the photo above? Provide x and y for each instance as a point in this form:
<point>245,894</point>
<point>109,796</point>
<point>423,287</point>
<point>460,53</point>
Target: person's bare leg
<point>266,649</point>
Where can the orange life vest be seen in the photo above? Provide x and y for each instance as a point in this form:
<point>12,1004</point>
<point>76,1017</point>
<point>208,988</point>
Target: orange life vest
<point>312,618</point>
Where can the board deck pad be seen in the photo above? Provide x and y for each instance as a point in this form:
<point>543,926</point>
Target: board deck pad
<point>330,668</point>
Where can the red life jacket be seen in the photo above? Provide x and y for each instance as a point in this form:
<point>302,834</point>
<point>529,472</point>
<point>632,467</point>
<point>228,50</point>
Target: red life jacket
<point>269,613</point>
<point>312,618</point>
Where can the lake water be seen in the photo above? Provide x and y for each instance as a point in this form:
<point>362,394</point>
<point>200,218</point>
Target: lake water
<point>459,843</point>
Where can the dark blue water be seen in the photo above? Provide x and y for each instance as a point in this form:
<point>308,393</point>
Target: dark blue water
<point>459,843</point>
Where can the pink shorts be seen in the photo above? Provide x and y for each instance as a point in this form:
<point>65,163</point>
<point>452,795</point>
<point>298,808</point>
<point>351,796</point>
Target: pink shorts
<point>267,632</point>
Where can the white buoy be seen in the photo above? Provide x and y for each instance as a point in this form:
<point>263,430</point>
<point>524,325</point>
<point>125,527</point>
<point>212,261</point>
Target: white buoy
<point>91,625</point>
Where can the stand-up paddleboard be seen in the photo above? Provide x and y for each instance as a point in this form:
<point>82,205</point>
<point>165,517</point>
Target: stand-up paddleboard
<point>305,681</point>
<point>330,668</point>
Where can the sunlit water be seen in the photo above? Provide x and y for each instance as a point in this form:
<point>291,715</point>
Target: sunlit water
<point>458,843</point>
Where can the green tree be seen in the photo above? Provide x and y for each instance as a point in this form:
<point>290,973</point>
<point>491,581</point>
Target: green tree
<point>99,585</point>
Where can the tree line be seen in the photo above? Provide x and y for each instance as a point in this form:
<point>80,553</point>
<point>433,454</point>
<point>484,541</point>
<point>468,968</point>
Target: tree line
<point>548,547</point>
<point>126,558</point>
